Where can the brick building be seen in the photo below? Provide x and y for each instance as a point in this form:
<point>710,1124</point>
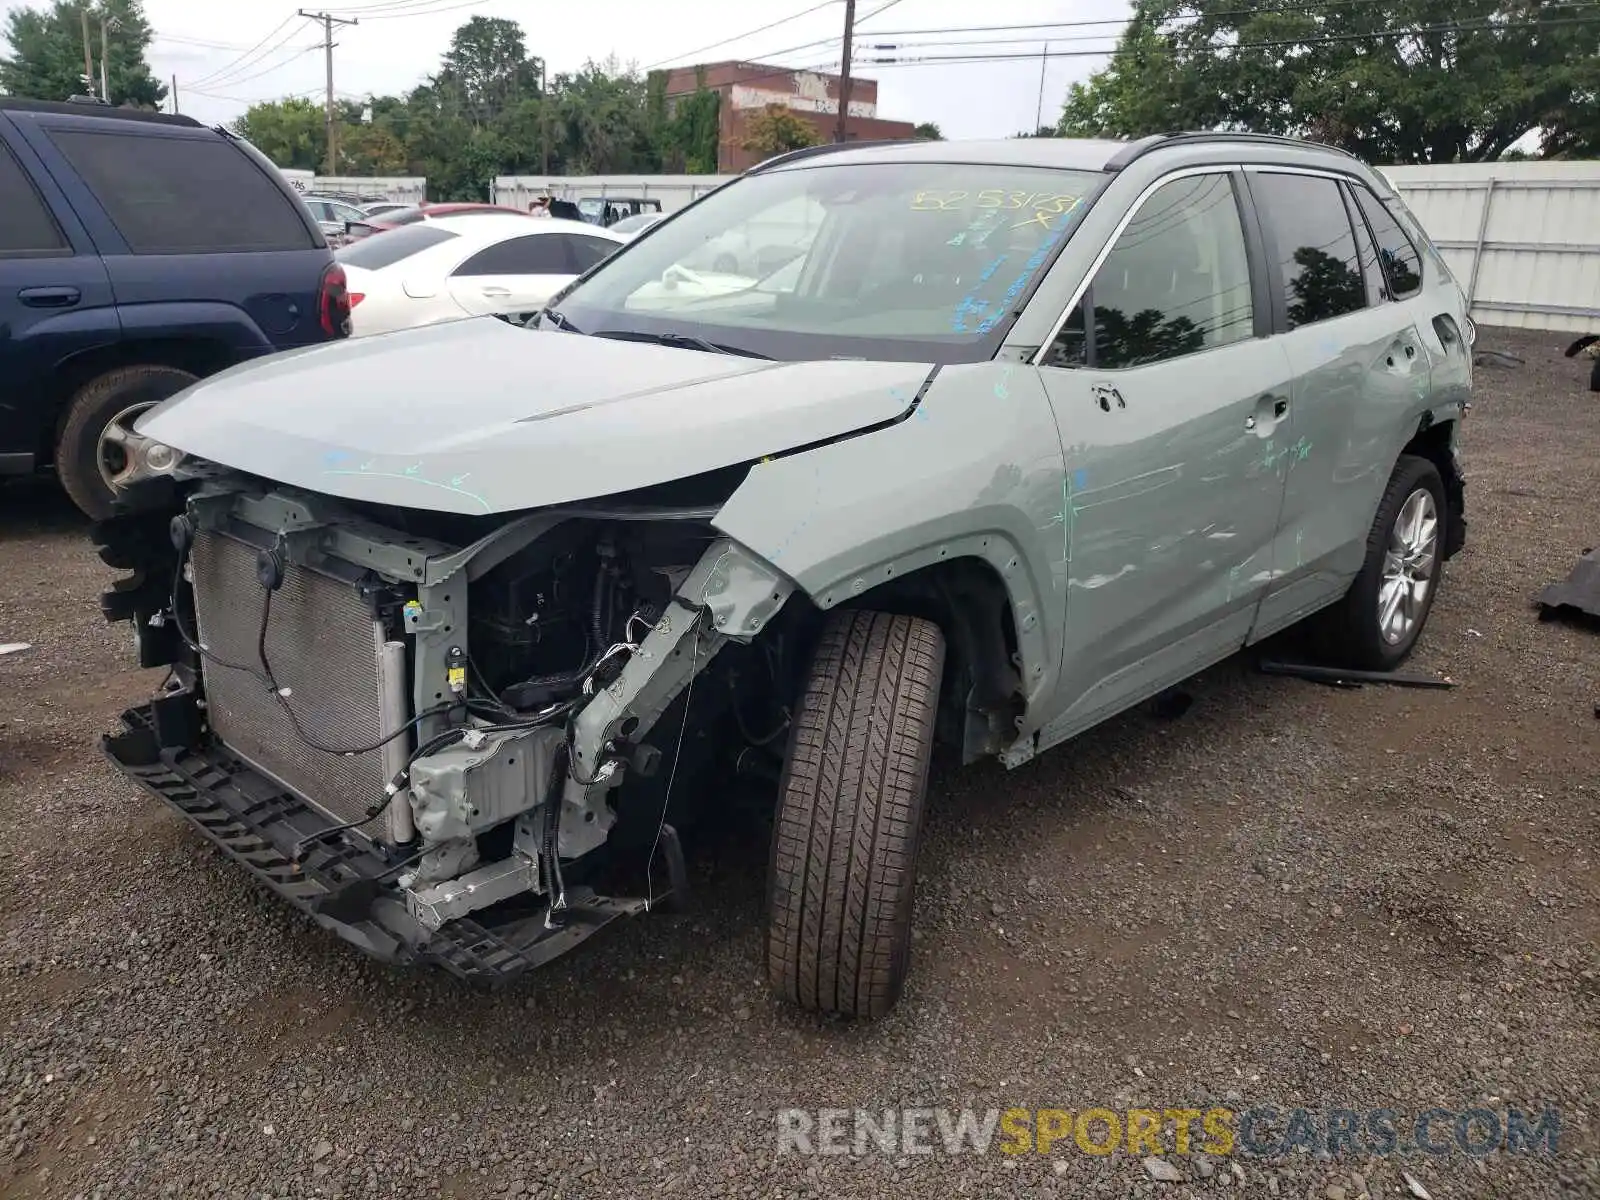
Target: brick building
<point>747,88</point>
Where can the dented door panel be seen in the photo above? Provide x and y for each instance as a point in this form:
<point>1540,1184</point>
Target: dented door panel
<point>1361,383</point>
<point>1170,512</point>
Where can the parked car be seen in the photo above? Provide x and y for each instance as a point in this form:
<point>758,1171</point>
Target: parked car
<point>454,267</point>
<point>633,226</point>
<point>138,253</point>
<point>1032,431</point>
<point>333,217</point>
<point>608,210</point>
<point>382,207</point>
<point>365,228</point>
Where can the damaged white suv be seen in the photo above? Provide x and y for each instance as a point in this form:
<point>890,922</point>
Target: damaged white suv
<point>468,626</point>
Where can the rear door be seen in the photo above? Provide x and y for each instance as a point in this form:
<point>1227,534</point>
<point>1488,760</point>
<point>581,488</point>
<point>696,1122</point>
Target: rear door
<point>1361,380</point>
<point>199,238</point>
<point>55,300</point>
<point>514,276</point>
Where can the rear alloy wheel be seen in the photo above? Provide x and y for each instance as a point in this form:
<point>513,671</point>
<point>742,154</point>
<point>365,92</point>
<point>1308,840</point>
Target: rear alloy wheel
<point>844,845</point>
<point>1377,624</point>
<point>92,455</point>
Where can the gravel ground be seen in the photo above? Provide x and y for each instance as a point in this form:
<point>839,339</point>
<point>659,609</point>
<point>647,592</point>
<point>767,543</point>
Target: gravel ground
<point>1291,894</point>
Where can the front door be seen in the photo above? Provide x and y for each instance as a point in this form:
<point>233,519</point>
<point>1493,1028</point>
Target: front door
<point>1169,408</point>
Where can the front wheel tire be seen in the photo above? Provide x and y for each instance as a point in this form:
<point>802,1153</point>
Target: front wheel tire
<point>92,454</point>
<point>1377,624</point>
<point>844,845</point>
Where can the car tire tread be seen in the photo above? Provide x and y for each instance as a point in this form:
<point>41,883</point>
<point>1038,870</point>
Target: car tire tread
<point>851,800</point>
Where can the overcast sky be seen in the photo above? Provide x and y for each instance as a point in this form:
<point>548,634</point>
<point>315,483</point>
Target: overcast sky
<point>223,65</point>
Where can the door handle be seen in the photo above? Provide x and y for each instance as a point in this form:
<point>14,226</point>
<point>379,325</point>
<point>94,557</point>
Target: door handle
<point>50,297</point>
<point>497,292</point>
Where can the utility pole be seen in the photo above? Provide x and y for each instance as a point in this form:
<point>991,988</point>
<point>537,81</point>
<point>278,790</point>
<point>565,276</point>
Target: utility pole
<point>174,95</point>
<point>328,22</point>
<point>844,70</point>
<point>105,19</point>
<point>1038,115</point>
<point>88,56</point>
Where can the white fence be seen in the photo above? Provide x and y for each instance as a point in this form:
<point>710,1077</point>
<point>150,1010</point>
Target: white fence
<point>401,189</point>
<point>674,191</point>
<point>1522,238</point>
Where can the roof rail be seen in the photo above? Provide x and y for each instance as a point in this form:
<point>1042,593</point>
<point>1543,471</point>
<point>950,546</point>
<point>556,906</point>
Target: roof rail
<point>790,156</point>
<point>1138,149</point>
<point>98,109</point>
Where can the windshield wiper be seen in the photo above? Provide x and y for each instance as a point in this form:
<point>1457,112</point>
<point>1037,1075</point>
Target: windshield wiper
<point>559,321</point>
<point>687,341</point>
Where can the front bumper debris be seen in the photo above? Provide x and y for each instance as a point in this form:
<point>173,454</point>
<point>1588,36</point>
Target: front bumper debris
<point>345,884</point>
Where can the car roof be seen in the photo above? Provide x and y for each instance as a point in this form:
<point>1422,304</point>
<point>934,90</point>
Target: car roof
<point>84,108</point>
<point>1080,154</point>
<point>515,224</point>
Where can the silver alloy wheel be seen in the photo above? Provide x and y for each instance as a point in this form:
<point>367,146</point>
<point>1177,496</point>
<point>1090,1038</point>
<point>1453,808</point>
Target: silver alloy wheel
<point>1408,567</point>
<point>114,451</point>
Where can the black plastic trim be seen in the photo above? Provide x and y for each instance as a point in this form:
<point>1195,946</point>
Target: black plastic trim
<point>344,883</point>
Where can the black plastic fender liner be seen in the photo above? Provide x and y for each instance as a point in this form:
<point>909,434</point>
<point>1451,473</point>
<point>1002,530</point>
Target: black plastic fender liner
<point>1579,592</point>
<point>344,883</point>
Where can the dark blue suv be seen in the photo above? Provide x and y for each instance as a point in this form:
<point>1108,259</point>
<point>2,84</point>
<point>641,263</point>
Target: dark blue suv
<point>139,252</point>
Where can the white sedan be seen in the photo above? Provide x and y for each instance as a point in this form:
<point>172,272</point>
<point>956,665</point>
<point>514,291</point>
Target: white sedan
<point>456,267</point>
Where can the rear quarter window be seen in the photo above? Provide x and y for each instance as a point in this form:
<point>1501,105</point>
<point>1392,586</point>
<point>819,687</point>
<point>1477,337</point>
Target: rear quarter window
<point>27,230</point>
<point>183,195</point>
<point>391,246</point>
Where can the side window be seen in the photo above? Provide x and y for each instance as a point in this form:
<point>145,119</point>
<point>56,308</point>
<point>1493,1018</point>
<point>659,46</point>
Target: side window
<point>536,254</point>
<point>1371,272</point>
<point>27,230</point>
<point>1316,247</point>
<point>1177,282</point>
<point>1402,265</point>
<point>584,252</point>
<point>183,194</point>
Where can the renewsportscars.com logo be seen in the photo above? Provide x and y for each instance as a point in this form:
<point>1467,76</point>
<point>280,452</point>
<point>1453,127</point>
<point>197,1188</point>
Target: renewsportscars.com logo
<point>1263,1131</point>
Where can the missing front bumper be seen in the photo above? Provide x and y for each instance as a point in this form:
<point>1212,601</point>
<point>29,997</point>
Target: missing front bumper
<point>346,884</point>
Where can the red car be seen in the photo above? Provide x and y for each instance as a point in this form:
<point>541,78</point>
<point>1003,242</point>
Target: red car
<point>422,212</point>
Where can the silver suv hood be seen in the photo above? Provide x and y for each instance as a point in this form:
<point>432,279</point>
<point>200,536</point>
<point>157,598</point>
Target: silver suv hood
<point>479,416</point>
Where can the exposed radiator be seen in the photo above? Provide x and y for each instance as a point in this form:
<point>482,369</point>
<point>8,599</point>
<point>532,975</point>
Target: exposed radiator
<point>323,644</point>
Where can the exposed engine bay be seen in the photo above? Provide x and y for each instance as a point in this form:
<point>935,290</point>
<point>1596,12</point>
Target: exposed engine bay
<point>468,741</point>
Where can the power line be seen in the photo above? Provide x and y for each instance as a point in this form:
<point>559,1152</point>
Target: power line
<point>1318,40</point>
<point>229,74</point>
<point>739,37</point>
<point>427,12</point>
<point>187,41</point>
<point>249,57</point>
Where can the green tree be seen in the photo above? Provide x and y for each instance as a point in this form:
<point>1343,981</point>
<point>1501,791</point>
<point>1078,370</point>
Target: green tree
<point>683,129</point>
<point>928,132</point>
<point>1399,81</point>
<point>777,130</point>
<point>46,53</point>
<point>488,64</point>
<point>292,133</point>
<point>601,115</point>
